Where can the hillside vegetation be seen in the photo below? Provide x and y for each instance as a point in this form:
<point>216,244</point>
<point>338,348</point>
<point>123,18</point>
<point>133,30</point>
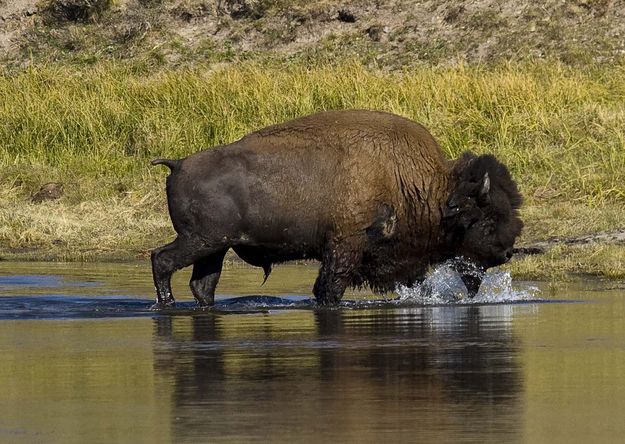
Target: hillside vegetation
<point>391,34</point>
<point>91,115</point>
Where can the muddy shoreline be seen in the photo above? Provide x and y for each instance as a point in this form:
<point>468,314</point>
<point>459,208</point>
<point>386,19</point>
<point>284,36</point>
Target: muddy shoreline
<point>616,237</point>
<point>559,258</point>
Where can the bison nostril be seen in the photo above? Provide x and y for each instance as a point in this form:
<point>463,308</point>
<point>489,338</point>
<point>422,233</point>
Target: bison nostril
<point>509,254</point>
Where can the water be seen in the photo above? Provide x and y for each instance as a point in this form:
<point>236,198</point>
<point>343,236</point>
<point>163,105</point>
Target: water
<point>444,286</point>
<point>83,360</point>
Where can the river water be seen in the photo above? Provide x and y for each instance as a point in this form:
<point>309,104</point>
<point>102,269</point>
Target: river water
<point>83,360</point>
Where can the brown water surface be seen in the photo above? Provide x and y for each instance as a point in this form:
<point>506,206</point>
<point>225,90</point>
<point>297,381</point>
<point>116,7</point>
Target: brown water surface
<point>84,361</point>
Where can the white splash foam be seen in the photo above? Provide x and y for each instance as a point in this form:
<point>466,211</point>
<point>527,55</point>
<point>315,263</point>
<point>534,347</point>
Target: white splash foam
<point>443,285</point>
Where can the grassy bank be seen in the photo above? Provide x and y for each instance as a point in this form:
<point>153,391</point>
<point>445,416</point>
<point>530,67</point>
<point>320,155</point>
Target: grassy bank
<point>559,129</point>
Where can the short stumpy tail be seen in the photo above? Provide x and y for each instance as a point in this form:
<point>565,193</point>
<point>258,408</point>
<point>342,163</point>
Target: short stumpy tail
<point>172,164</point>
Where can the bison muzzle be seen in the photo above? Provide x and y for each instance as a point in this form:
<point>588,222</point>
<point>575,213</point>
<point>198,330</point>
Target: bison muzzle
<point>369,194</point>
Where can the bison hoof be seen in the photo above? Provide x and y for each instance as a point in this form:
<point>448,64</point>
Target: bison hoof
<point>163,305</point>
<point>204,305</point>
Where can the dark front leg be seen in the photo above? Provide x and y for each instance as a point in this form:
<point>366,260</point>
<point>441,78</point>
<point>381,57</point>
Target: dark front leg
<point>338,264</point>
<point>471,275</point>
<point>472,283</point>
<point>206,273</point>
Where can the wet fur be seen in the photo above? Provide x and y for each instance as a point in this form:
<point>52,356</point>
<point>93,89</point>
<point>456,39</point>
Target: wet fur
<point>369,194</point>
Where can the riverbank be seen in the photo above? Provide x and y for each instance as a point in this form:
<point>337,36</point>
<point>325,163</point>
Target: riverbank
<point>557,242</point>
<point>94,131</point>
<point>118,231</point>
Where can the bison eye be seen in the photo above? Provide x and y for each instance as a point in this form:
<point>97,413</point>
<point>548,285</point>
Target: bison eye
<point>450,212</point>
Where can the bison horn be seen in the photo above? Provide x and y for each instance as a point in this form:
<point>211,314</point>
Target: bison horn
<point>485,186</point>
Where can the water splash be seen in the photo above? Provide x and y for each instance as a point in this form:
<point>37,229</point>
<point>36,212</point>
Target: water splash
<point>443,285</point>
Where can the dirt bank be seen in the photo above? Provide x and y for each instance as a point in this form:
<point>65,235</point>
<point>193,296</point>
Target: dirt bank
<point>390,34</point>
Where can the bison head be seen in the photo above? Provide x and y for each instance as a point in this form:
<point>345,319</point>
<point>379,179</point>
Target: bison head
<point>480,218</point>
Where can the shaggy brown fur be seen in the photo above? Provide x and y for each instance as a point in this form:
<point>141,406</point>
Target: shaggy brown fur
<point>367,193</point>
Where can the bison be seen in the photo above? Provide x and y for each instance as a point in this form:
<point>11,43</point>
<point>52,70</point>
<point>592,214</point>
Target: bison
<point>368,194</point>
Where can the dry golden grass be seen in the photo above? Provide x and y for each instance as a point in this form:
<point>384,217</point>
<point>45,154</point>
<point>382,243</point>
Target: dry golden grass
<point>560,131</point>
<point>95,230</point>
<point>563,261</point>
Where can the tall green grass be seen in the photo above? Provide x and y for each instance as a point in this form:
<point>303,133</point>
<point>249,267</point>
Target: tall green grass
<point>561,131</point>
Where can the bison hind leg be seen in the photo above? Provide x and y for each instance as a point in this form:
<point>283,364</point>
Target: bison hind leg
<point>169,258</point>
<point>206,273</point>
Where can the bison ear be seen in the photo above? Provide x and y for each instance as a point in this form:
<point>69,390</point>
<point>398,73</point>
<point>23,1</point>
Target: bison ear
<point>483,195</point>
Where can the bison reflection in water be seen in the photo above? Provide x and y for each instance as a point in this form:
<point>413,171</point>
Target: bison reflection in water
<point>427,374</point>
<point>369,194</point>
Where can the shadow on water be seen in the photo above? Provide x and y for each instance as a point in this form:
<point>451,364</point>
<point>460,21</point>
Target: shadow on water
<point>57,297</point>
<point>354,373</point>
<point>60,306</point>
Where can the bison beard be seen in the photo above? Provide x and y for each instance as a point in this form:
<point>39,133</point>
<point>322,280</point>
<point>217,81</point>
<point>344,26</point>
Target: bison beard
<point>369,194</point>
